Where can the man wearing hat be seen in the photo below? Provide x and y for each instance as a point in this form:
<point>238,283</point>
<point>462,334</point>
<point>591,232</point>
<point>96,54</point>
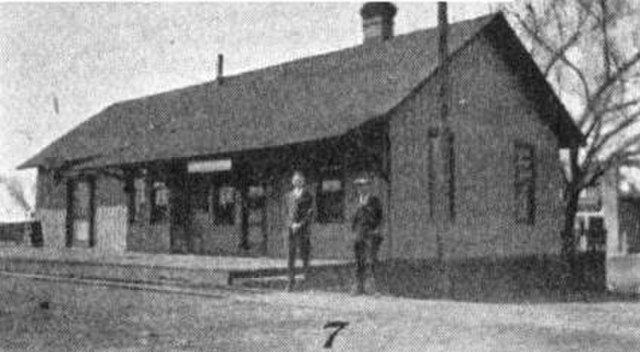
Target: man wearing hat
<point>366,226</point>
<point>300,209</point>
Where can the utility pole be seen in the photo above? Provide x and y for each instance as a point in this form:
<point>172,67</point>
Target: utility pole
<point>445,167</point>
<point>443,53</point>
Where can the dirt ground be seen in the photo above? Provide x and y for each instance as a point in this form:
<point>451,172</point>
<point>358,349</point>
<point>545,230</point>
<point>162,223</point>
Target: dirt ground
<point>97,318</point>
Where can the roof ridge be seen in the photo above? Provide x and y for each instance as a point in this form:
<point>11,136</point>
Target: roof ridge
<point>371,46</point>
<point>295,62</point>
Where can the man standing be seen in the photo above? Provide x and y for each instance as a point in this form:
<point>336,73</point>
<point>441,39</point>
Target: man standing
<point>300,208</point>
<point>366,225</point>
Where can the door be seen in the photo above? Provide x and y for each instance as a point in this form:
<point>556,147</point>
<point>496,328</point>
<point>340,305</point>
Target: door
<point>255,220</point>
<point>629,226</point>
<point>81,210</point>
<point>214,221</point>
<point>596,235</point>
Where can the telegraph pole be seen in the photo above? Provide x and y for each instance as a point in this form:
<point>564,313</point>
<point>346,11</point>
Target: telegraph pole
<point>445,167</point>
<point>443,52</point>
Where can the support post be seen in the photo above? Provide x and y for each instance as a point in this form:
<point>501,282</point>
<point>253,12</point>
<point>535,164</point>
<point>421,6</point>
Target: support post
<point>444,169</point>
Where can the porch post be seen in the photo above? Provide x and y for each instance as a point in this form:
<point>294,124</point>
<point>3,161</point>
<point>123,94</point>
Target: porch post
<point>178,209</point>
<point>244,214</point>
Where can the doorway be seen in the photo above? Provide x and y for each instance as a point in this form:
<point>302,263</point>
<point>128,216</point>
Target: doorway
<point>81,213</point>
<point>214,221</point>
<point>629,241</point>
<point>254,220</point>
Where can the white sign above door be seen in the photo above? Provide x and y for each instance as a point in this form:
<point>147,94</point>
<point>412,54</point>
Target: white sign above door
<point>209,165</point>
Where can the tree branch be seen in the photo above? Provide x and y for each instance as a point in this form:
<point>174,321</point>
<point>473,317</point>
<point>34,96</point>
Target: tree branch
<point>561,51</point>
<point>612,80</point>
<point>616,131</point>
<point>619,106</point>
<point>617,160</point>
<point>548,48</point>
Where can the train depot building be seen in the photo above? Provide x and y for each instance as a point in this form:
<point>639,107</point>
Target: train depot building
<point>204,169</point>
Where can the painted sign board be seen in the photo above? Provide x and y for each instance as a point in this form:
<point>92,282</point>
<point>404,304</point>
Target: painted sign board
<point>209,165</point>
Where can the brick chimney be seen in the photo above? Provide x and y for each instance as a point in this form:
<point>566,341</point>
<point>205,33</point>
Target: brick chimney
<point>377,20</point>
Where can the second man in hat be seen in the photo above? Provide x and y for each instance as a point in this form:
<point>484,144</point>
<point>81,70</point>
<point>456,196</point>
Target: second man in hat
<point>366,226</point>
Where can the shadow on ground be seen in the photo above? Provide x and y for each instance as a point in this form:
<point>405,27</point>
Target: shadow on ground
<point>521,280</point>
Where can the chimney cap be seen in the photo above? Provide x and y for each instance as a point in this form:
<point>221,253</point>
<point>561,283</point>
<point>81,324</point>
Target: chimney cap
<point>374,9</point>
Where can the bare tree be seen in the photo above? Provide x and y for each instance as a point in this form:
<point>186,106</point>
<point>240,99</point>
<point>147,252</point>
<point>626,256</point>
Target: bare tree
<point>590,51</point>
<point>17,192</point>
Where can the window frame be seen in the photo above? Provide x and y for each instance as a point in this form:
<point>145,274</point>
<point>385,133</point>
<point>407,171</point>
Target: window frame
<point>138,197</point>
<point>323,197</point>
<point>159,213</point>
<point>88,212</point>
<point>441,143</point>
<point>215,208</point>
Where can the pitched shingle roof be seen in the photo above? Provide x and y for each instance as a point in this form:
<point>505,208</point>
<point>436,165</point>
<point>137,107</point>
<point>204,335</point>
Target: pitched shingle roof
<point>304,100</point>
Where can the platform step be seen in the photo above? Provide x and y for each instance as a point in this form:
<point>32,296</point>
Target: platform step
<point>116,272</point>
<point>156,274</point>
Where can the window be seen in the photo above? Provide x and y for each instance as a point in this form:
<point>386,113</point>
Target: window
<point>629,225</point>
<point>524,183</point>
<point>330,200</point>
<point>82,213</point>
<point>82,200</point>
<point>224,205</point>
<point>256,206</point>
<point>139,197</point>
<point>451,175</point>
<point>441,188</point>
<point>431,172</point>
<point>596,234</point>
<point>200,194</point>
<point>590,199</point>
<point>159,201</point>
<point>136,197</point>
<point>256,197</point>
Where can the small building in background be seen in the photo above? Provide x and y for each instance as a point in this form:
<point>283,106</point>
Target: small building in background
<point>608,221</point>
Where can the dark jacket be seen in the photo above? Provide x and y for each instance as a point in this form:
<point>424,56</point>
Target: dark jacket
<point>368,216</point>
<point>300,210</point>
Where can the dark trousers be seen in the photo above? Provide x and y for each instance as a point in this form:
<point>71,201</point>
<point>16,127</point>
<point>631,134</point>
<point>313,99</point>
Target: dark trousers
<point>299,241</point>
<point>366,249</point>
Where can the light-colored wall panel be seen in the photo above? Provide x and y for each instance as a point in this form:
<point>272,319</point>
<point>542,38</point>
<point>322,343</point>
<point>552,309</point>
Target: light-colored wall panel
<point>111,228</point>
<point>54,229</point>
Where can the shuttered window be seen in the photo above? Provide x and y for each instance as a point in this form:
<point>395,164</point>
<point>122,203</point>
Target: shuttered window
<point>441,175</point>
<point>525,177</point>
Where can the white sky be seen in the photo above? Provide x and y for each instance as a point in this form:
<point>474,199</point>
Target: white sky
<point>92,55</point>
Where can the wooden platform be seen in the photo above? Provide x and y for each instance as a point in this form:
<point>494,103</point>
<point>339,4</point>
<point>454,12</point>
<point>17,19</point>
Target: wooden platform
<point>185,270</point>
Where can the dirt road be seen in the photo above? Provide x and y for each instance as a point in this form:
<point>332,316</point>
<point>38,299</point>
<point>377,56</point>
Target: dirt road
<point>49,316</point>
